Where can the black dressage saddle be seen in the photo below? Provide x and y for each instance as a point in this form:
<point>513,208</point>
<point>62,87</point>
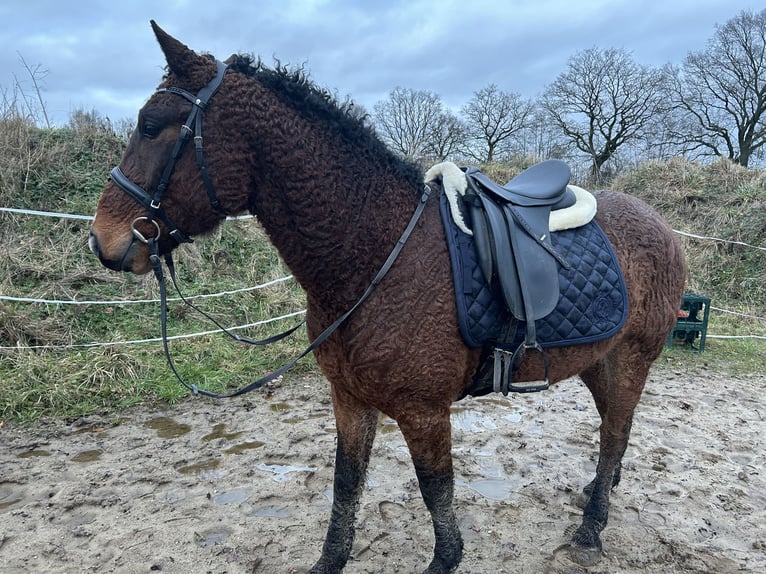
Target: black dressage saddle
<point>513,246</point>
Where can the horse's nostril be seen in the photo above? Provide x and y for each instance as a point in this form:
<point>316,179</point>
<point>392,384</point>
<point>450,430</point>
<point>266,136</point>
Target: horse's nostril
<point>93,244</point>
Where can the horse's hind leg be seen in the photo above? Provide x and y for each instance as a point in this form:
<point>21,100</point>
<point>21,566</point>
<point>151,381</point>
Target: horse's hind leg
<point>616,387</point>
<point>356,425</point>
<point>430,442</point>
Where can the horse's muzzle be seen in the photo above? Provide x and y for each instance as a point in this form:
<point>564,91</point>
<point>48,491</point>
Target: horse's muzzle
<point>125,261</point>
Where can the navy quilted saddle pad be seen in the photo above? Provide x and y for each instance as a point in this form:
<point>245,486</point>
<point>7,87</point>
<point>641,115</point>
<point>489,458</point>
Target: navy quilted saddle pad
<point>593,303</point>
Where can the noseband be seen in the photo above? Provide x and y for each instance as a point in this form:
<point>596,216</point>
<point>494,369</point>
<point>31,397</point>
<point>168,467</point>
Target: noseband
<point>153,203</point>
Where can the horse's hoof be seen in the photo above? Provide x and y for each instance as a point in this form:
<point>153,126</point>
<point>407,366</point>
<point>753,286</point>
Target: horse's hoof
<point>437,569</point>
<point>584,556</point>
<point>322,568</point>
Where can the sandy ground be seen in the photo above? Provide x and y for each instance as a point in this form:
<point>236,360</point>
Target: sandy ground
<point>244,486</point>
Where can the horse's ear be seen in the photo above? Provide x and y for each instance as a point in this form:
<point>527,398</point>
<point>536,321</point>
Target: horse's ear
<point>181,59</point>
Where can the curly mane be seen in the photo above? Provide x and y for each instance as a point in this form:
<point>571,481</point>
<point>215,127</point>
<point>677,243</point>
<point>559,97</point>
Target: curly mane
<point>296,89</point>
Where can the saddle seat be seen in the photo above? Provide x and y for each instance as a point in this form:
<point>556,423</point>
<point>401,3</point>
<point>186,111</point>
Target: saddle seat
<point>543,184</point>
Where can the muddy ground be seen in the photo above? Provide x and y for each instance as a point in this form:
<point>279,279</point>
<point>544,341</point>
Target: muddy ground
<point>244,486</point>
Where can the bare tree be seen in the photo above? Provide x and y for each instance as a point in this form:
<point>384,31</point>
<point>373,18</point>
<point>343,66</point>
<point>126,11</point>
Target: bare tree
<point>493,117</point>
<point>36,75</point>
<point>541,139</point>
<point>722,92</point>
<point>446,138</point>
<point>605,100</point>
<point>408,121</point>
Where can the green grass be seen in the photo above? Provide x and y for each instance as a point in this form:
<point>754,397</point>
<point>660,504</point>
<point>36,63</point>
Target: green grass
<point>72,381</point>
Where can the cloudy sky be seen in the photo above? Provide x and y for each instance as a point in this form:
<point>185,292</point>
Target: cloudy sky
<point>102,56</point>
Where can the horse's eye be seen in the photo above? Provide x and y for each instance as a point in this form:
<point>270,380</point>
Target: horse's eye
<point>151,130</point>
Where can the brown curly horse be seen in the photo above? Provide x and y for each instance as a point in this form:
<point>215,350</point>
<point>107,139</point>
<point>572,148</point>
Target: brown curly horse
<point>334,202</point>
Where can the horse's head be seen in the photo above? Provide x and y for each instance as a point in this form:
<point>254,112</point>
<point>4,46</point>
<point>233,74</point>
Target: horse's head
<point>168,187</point>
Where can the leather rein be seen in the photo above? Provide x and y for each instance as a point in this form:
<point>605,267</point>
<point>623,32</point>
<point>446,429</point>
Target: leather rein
<point>153,204</point>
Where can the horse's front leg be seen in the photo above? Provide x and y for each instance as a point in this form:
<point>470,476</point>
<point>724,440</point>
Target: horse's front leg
<point>356,424</point>
<point>429,438</point>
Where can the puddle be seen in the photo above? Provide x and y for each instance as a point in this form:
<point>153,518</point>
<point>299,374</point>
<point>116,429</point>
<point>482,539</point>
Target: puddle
<point>490,470</point>
<point>471,421</point>
<point>206,466</point>
<point>513,417</point>
<point>87,456</point>
<point>89,428</point>
<point>174,496</point>
<point>240,448</point>
<point>291,420</point>
<point>211,537</point>
<point>271,512</point>
<point>33,453</point>
<point>280,407</point>
<point>8,503</point>
<point>387,425</point>
<point>219,431</point>
<point>494,489</point>
<point>167,427</point>
<point>231,496</point>
<point>281,472</point>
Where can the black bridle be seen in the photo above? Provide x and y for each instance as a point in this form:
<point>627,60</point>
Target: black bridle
<point>153,205</point>
<point>153,202</point>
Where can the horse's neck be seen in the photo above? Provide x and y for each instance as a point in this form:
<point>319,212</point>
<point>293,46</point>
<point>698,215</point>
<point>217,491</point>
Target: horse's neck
<point>333,228</point>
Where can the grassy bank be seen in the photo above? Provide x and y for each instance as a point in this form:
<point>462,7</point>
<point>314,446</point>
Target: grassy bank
<point>71,360</point>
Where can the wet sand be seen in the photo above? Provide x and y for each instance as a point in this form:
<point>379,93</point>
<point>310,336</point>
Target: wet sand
<point>245,486</point>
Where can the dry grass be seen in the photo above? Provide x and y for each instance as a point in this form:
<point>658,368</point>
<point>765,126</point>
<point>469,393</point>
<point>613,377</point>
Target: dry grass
<point>721,200</point>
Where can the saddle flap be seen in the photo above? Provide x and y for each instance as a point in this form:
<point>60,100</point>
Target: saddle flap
<point>536,268</point>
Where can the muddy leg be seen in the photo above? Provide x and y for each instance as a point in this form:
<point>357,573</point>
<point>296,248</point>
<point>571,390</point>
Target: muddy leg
<point>356,425</point>
<point>616,398</point>
<point>430,442</point>
<point>596,379</point>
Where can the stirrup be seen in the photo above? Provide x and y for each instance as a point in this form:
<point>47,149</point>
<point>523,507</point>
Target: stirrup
<point>506,365</point>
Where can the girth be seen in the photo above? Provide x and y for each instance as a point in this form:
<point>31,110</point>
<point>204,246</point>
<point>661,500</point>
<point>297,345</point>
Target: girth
<point>513,245</point>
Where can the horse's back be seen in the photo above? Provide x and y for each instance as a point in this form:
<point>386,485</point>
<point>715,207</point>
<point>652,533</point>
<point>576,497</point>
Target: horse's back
<point>651,259</point>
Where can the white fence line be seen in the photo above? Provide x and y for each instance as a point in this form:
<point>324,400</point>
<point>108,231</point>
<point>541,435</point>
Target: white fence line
<point>736,337</point>
<point>133,301</point>
<point>708,238</point>
<point>244,289</point>
<point>83,217</point>
<point>236,217</point>
<point>151,340</point>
